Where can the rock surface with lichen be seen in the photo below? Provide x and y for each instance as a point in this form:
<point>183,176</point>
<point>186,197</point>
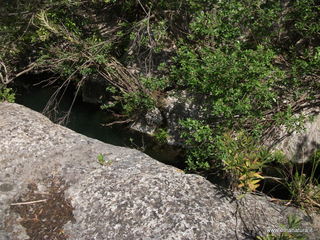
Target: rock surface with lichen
<point>299,146</point>
<point>53,187</point>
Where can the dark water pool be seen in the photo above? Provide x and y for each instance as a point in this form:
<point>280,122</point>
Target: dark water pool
<point>88,119</point>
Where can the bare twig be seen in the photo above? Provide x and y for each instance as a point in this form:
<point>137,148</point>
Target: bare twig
<point>65,118</point>
<point>4,75</point>
<point>313,202</point>
<point>27,203</point>
<point>4,78</point>
<point>117,122</point>
<point>53,102</point>
<point>28,69</point>
<point>29,23</point>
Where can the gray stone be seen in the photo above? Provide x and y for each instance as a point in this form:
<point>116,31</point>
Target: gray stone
<point>149,123</point>
<point>299,146</point>
<point>180,106</point>
<point>131,196</point>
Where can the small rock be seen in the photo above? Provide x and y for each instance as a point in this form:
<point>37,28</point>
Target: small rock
<point>151,121</point>
<point>300,146</point>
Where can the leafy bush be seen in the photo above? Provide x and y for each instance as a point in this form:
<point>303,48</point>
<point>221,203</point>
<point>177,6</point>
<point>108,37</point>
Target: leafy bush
<point>137,102</point>
<point>242,159</point>
<point>6,94</point>
<point>199,140</point>
<point>249,22</point>
<point>304,15</point>
<point>254,73</point>
<point>237,82</point>
<point>161,135</point>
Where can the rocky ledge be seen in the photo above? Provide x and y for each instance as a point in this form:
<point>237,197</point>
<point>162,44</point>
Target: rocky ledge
<point>53,187</point>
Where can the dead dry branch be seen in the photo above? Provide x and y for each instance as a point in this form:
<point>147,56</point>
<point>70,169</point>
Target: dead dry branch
<point>4,78</point>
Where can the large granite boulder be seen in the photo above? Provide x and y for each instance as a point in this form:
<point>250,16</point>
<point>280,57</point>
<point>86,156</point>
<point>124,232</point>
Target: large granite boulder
<point>53,187</point>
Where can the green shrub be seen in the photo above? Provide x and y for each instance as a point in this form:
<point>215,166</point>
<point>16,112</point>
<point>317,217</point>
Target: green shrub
<point>305,15</point>
<point>6,94</point>
<point>237,154</point>
<point>237,82</point>
<point>249,22</point>
<point>137,102</point>
<point>199,140</point>
<point>161,135</point>
<point>242,159</point>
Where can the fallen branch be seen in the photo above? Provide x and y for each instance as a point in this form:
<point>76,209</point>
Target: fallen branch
<point>4,76</point>
<point>117,122</point>
<point>28,69</point>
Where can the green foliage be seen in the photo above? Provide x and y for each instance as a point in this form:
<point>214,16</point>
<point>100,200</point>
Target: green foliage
<point>242,159</point>
<point>241,59</point>
<point>161,135</point>
<point>199,139</point>
<point>278,157</point>
<point>305,189</point>
<point>308,64</point>
<point>154,84</point>
<point>136,102</point>
<point>305,15</point>
<point>237,154</point>
<point>101,159</point>
<point>289,120</point>
<point>237,82</point>
<point>6,94</point>
<point>246,22</point>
